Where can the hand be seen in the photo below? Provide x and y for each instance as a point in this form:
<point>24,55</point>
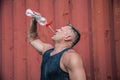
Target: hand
<point>36,13</point>
<point>34,20</point>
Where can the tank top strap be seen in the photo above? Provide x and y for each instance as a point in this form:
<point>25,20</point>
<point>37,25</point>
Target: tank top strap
<point>62,52</point>
<point>46,53</point>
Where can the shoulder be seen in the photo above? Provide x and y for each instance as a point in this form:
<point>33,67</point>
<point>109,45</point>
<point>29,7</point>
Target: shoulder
<point>72,54</point>
<point>71,58</point>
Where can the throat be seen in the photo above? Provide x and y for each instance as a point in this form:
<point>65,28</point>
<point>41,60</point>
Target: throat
<point>57,50</point>
<point>59,47</point>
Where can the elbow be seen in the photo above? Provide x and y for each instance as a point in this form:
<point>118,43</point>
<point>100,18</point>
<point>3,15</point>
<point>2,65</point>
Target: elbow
<point>32,37</point>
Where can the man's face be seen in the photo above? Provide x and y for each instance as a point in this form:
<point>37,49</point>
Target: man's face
<point>62,33</point>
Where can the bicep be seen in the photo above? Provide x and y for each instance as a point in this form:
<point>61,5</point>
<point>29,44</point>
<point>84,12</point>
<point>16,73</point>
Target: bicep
<point>40,46</point>
<point>77,74</point>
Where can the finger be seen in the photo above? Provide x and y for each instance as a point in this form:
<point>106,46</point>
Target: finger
<point>36,13</point>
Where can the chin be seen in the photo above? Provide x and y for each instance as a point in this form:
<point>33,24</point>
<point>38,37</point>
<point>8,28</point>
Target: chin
<point>52,38</point>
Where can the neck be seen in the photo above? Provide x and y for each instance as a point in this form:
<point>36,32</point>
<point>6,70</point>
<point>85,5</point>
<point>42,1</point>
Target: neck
<point>60,47</point>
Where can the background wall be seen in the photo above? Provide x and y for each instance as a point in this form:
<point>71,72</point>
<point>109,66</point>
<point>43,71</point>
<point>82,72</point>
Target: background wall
<point>97,20</point>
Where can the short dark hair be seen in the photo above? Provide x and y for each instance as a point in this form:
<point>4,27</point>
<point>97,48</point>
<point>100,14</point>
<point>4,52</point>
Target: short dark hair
<point>77,34</point>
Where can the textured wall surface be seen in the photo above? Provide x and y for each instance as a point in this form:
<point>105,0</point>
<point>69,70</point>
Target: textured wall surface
<point>97,20</point>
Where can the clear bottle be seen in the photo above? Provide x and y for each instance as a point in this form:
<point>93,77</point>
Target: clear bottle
<point>41,20</point>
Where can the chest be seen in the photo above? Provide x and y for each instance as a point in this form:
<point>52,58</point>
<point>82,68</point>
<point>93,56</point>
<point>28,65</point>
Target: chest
<point>52,65</point>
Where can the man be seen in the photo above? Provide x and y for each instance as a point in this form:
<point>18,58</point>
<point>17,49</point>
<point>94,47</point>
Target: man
<point>60,62</point>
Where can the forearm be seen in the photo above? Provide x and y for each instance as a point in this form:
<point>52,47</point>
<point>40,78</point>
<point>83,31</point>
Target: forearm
<point>32,32</point>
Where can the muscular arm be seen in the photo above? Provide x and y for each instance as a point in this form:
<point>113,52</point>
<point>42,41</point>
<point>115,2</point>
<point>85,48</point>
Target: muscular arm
<point>75,68</point>
<point>34,39</point>
<point>32,32</point>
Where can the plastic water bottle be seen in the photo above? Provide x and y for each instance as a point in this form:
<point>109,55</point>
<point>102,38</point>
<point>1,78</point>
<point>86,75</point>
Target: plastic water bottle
<point>41,20</point>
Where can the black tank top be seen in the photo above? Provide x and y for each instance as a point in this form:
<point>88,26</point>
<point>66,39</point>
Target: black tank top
<point>50,68</point>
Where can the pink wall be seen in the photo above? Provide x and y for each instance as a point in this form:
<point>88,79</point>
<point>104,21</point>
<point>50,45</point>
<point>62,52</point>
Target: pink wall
<point>97,20</point>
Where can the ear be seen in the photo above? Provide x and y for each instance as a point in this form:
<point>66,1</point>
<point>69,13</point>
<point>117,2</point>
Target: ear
<point>68,38</point>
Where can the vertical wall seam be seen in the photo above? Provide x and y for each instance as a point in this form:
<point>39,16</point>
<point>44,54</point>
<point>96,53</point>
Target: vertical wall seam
<point>0,39</point>
<point>26,60</point>
<point>70,11</point>
<point>112,40</point>
<point>54,19</point>
<point>90,40</point>
<point>12,38</point>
